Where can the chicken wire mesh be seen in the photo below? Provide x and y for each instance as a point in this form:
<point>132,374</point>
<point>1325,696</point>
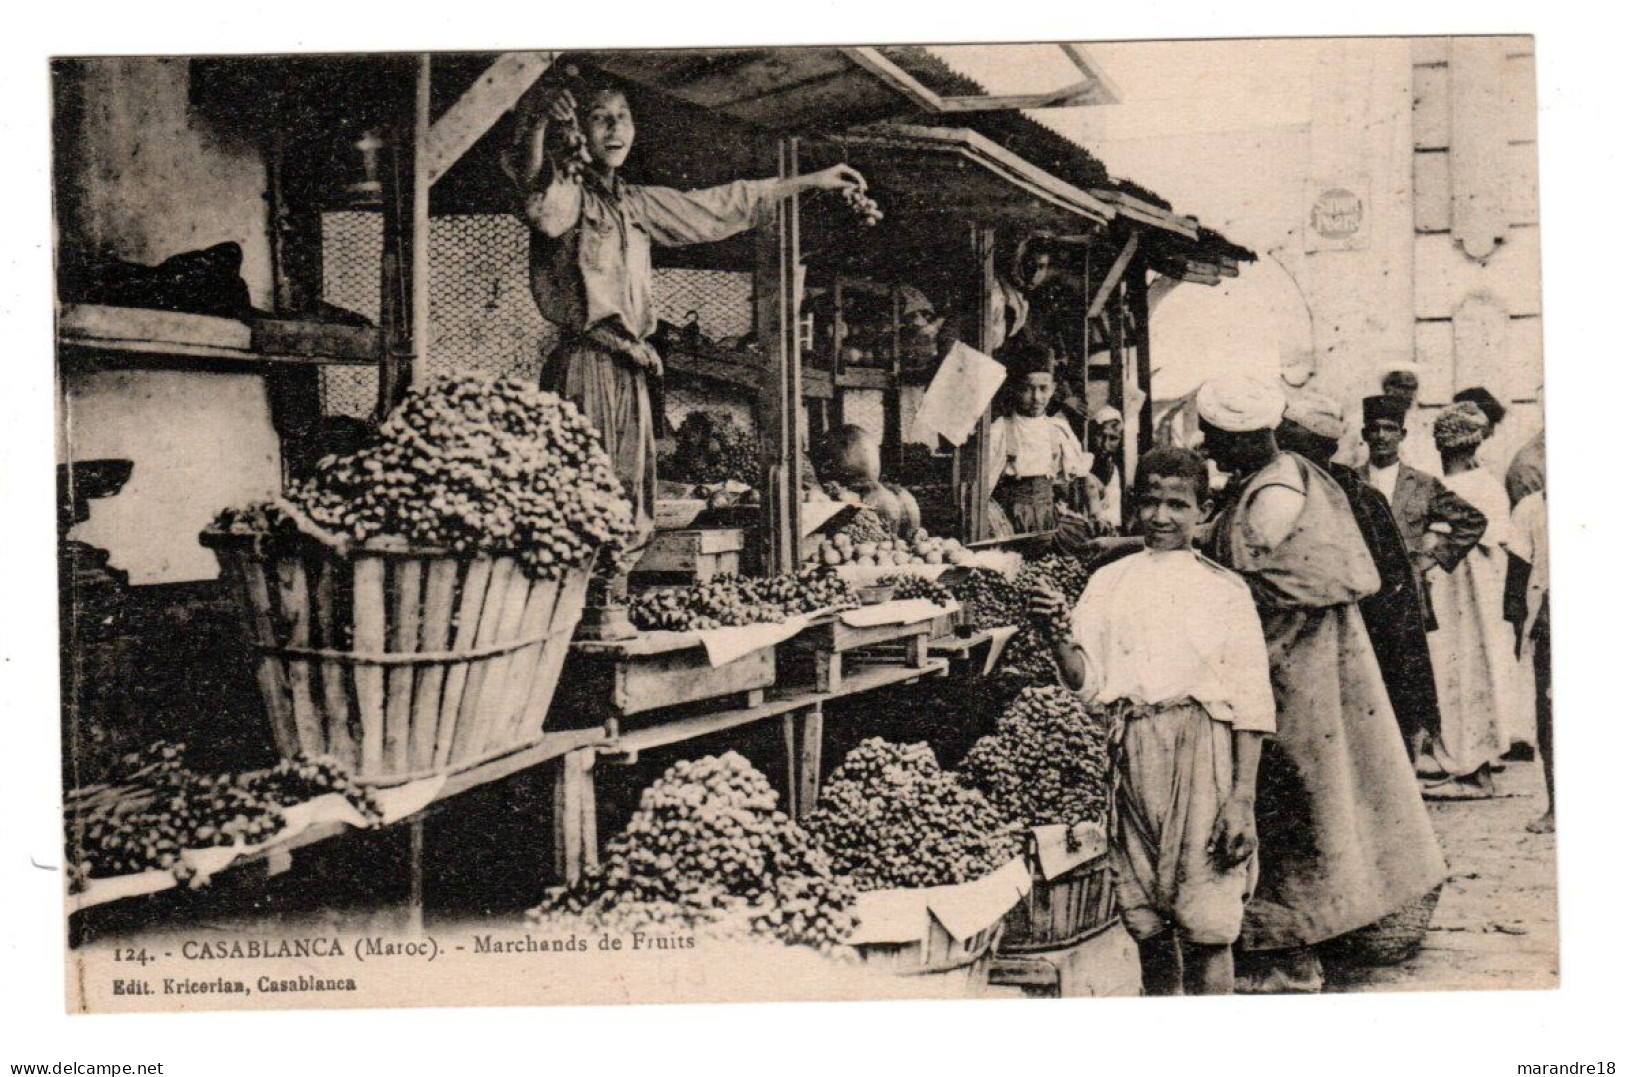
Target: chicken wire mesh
<point>481,314</point>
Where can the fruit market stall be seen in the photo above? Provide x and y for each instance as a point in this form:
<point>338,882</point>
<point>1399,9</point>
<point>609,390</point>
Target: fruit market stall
<point>406,600</point>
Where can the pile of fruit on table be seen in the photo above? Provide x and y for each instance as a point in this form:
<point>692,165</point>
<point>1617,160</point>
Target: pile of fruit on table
<point>890,816</point>
<point>729,601</point>
<point>709,850</point>
<point>155,807</point>
<point>1045,761</point>
<point>866,541</point>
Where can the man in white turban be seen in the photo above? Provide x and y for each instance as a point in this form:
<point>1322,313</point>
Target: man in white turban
<point>1344,837</point>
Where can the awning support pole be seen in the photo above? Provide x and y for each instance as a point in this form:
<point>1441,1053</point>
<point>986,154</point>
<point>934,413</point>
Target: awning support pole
<point>778,255</point>
<point>1113,275</point>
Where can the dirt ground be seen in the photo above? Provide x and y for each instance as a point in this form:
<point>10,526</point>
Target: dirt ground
<point>1496,924</point>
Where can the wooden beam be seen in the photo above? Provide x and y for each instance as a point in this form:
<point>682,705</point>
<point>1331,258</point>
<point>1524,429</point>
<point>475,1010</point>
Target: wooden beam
<point>1140,311</point>
<point>493,94</point>
<point>874,62</point>
<point>1113,275</point>
<point>404,272</point>
<point>1075,95</point>
<point>976,526</point>
<point>1107,92</point>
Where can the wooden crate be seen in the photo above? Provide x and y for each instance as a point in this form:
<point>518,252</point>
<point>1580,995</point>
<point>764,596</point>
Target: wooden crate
<point>695,554</point>
<point>1062,911</point>
<point>832,645</point>
<point>650,682</point>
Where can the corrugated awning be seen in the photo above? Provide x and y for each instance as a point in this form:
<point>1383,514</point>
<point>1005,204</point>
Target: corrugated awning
<point>957,171</point>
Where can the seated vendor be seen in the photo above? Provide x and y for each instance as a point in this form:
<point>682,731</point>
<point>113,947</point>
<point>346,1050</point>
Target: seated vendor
<point>849,468</point>
<point>1029,451</point>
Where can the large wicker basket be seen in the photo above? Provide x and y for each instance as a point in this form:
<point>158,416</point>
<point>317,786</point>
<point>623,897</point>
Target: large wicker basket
<point>1393,939</point>
<point>399,663</point>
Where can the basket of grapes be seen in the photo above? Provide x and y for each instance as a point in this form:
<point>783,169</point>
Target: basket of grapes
<point>1045,765</point>
<point>936,866</point>
<point>410,605</point>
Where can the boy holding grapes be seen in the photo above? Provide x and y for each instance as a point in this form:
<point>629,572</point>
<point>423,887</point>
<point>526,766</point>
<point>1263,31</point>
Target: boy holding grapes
<point>1170,644</point>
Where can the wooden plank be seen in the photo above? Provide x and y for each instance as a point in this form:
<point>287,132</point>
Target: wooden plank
<point>561,622</point>
<point>644,684</point>
<point>475,583</point>
<point>1113,275</point>
<point>1478,144</point>
<point>439,593</point>
<point>858,377</point>
<point>295,592</point>
<point>369,679</point>
<point>493,94</point>
<point>574,817</point>
<point>406,593</point>
<point>94,322</point>
<point>335,675</point>
<point>810,765</point>
<point>268,670</point>
<point>912,90</point>
<point>779,402</point>
<point>496,720</point>
<point>471,715</point>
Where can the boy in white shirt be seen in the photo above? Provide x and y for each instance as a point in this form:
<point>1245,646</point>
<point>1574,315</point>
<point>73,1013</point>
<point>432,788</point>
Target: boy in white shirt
<point>1171,643</point>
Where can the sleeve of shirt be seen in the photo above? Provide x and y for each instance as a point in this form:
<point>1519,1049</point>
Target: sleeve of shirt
<point>676,218</point>
<point>1074,462</point>
<point>1087,630</point>
<point>1246,662</point>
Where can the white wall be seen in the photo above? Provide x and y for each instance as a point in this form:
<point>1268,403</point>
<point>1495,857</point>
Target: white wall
<point>154,181</point>
<point>1244,135</point>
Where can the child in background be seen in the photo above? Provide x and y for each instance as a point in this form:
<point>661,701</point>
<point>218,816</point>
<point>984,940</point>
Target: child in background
<point>1171,643</point>
<point>1029,450</point>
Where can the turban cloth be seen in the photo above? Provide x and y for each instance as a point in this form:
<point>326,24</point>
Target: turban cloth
<point>1240,404</point>
<point>1460,426</point>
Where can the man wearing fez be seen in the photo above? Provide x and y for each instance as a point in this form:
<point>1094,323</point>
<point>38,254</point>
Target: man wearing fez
<point>1439,528</point>
<point>1344,838</point>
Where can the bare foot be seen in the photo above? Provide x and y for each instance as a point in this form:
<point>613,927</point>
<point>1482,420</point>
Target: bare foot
<point>1544,825</point>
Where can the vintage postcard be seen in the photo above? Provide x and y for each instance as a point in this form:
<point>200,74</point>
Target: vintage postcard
<point>890,521</point>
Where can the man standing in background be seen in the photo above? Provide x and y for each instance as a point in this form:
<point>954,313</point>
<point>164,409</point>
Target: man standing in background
<point>1439,528</point>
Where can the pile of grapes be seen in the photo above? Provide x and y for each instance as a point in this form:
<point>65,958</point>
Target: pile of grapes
<point>728,601</point>
<point>475,465</point>
<point>1045,761</point>
<point>155,807</point>
<point>708,847</point>
<point>909,587</point>
<point>890,816</point>
<point>994,599</point>
<point>711,448</point>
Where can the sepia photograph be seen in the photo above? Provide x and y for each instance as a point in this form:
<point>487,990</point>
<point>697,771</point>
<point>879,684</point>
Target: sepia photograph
<point>1041,520</point>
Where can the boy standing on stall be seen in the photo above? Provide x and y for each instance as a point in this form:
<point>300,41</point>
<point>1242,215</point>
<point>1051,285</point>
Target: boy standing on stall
<point>1029,450</point>
<point>590,268</point>
<point>1171,643</point>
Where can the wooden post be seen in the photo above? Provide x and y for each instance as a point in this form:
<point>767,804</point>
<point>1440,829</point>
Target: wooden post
<point>809,767</point>
<point>414,868</point>
<point>1140,310</point>
<point>975,517</point>
<point>575,817</point>
<point>294,389</point>
<point>778,253</point>
<point>405,264</point>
